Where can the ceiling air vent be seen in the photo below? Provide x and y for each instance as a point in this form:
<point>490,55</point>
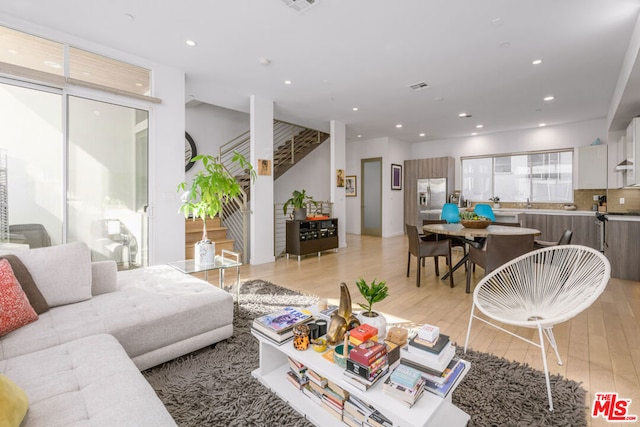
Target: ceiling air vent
<point>419,86</point>
<point>300,5</point>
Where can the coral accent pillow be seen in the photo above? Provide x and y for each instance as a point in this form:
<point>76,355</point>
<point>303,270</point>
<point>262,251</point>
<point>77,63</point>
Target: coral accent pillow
<point>13,403</point>
<point>15,310</point>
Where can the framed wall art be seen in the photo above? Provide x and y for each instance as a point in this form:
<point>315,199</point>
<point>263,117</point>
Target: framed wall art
<point>339,177</point>
<point>396,177</point>
<point>351,186</point>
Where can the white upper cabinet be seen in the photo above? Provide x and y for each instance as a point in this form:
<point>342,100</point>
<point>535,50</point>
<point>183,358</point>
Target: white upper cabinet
<point>591,166</point>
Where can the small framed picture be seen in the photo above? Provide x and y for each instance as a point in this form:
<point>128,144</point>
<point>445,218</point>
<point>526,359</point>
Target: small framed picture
<point>351,186</point>
<point>339,177</point>
<point>264,167</point>
<point>396,177</point>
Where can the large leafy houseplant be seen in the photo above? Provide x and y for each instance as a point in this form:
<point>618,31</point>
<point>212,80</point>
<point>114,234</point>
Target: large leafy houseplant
<point>211,188</point>
<point>299,200</point>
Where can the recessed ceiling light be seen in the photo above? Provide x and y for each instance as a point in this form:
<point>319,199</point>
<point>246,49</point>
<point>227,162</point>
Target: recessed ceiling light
<point>264,61</point>
<point>542,125</point>
<point>399,125</point>
<point>287,82</point>
<point>496,21</point>
<point>537,62</point>
<point>549,98</point>
<point>464,115</point>
<point>355,108</point>
<point>130,16</point>
<point>190,43</point>
<point>423,134</point>
<point>479,126</point>
<point>504,44</point>
<point>438,99</point>
<point>474,133</point>
<point>359,136</point>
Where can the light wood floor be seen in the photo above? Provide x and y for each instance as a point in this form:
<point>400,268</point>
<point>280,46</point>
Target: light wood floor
<point>600,347</point>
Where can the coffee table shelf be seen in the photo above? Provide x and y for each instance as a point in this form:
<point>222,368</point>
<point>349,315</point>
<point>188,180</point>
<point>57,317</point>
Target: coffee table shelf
<point>430,410</point>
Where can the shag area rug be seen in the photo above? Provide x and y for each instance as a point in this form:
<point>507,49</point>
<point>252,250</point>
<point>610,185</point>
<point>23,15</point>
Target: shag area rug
<point>214,386</point>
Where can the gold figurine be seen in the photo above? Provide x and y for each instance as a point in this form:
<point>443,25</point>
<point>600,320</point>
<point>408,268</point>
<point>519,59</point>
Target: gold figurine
<point>343,319</point>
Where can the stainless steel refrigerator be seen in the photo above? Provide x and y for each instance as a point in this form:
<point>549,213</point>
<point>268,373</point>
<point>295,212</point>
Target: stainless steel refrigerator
<point>432,195</point>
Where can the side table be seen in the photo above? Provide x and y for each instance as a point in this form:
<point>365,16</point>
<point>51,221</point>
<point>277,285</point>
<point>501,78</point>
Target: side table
<point>227,259</point>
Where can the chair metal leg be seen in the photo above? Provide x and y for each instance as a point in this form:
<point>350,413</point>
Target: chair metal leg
<point>468,289</point>
<point>435,262</point>
<point>418,275</point>
<point>546,368</point>
<point>552,341</point>
<point>408,264</point>
<point>450,272</point>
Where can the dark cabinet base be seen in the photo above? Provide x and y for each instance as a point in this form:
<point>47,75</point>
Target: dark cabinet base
<point>308,237</point>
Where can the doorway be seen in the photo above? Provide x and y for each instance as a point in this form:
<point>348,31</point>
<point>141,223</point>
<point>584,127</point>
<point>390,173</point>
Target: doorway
<point>371,207</point>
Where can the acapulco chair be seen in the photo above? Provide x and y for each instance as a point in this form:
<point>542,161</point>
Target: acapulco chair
<point>541,289</point>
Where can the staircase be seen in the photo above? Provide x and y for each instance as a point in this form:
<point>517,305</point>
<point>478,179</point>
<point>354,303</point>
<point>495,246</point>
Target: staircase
<point>291,143</point>
<point>215,232</point>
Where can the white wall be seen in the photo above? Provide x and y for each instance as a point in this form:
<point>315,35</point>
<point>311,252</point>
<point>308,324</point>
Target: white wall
<point>545,138</point>
<point>392,151</point>
<point>211,126</point>
<point>311,174</point>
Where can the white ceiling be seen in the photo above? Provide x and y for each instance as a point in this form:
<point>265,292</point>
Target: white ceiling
<point>474,55</point>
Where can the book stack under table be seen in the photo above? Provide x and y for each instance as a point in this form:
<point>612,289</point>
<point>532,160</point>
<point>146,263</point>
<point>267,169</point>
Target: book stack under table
<point>320,390</point>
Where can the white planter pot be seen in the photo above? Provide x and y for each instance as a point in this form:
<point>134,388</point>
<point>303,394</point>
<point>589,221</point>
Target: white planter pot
<point>378,321</point>
<point>205,252</point>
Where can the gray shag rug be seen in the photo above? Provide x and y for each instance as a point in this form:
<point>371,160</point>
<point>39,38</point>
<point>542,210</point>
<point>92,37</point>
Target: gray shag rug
<point>214,386</point>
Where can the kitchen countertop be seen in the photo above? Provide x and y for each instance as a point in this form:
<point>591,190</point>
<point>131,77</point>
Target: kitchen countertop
<point>515,211</point>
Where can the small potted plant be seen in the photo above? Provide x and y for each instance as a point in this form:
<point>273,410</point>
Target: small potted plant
<point>373,293</point>
<point>496,201</point>
<point>210,189</point>
<point>299,200</point>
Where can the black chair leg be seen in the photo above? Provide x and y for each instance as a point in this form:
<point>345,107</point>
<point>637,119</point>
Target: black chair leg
<point>408,264</point>
<point>418,275</point>
<point>469,277</point>
<point>435,261</point>
<point>450,272</point>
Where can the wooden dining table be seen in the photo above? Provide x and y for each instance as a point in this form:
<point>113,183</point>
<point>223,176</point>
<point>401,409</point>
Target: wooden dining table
<point>474,236</point>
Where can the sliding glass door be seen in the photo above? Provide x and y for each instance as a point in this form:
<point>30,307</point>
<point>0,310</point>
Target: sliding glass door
<point>93,188</point>
<point>107,180</point>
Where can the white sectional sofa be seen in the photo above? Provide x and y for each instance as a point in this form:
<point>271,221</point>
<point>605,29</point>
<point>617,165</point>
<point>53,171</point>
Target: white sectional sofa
<point>80,362</point>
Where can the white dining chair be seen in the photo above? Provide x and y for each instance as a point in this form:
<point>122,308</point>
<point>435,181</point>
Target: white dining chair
<point>538,290</point>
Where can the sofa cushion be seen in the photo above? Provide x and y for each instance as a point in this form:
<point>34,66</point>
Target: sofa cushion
<point>15,310</point>
<point>29,287</point>
<point>62,272</point>
<point>13,403</point>
<point>86,382</point>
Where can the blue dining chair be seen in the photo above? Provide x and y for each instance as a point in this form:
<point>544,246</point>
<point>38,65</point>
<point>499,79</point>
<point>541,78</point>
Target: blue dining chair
<point>450,213</point>
<point>482,209</point>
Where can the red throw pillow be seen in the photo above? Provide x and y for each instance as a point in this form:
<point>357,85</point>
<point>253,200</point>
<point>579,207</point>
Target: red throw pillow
<point>15,310</point>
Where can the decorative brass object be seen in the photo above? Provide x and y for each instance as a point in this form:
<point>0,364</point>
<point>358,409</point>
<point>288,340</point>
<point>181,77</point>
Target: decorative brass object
<point>343,319</point>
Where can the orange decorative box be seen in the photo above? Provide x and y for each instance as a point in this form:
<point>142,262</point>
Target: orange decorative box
<point>362,333</point>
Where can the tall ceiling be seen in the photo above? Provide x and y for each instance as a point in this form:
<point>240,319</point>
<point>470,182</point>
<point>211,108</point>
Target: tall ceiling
<point>475,56</point>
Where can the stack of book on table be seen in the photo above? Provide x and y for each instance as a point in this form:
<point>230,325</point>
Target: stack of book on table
<point>366,364</point>
<point>435,359</point>
<point>297,374</point>
<point>278,326</point>
<point>405,384</point>
<point>358,413</point>
<point>325,393</point>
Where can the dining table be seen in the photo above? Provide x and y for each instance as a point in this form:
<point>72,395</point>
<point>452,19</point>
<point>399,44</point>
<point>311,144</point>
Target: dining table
<point>474,236</point>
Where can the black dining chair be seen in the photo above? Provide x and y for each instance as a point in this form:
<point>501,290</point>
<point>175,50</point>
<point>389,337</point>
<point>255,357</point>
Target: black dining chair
<point>565,239</point>
<point>425,249</point>
<point>496,251</point>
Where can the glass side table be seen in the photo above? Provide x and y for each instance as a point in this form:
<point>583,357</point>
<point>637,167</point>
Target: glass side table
<point>225,260</point>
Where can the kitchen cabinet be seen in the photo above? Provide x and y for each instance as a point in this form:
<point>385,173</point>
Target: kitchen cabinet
<point>436,167</point>
<point>622,248</point>
<point>551,226</point>
<point>591,162</point>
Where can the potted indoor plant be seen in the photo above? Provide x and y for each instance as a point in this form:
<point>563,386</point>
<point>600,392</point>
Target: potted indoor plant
<point>204,198</point>
<point>372,293</point>
<point>299,200</point>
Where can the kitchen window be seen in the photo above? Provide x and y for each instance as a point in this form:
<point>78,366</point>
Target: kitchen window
<point>542,177</point>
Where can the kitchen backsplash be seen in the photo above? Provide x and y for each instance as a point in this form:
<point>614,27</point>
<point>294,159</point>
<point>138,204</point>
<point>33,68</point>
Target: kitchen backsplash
<point>631,200</point>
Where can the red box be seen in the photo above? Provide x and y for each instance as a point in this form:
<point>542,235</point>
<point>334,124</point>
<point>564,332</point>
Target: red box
<point>363,332</point>
<point>367,352</point>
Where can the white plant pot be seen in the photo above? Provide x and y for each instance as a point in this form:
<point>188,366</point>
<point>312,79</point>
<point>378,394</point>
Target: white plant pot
<point>378,321</point>
<point>205,252</point>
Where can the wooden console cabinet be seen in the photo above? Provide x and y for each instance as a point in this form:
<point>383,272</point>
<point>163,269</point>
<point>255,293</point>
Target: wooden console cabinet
<point>311,236</point>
